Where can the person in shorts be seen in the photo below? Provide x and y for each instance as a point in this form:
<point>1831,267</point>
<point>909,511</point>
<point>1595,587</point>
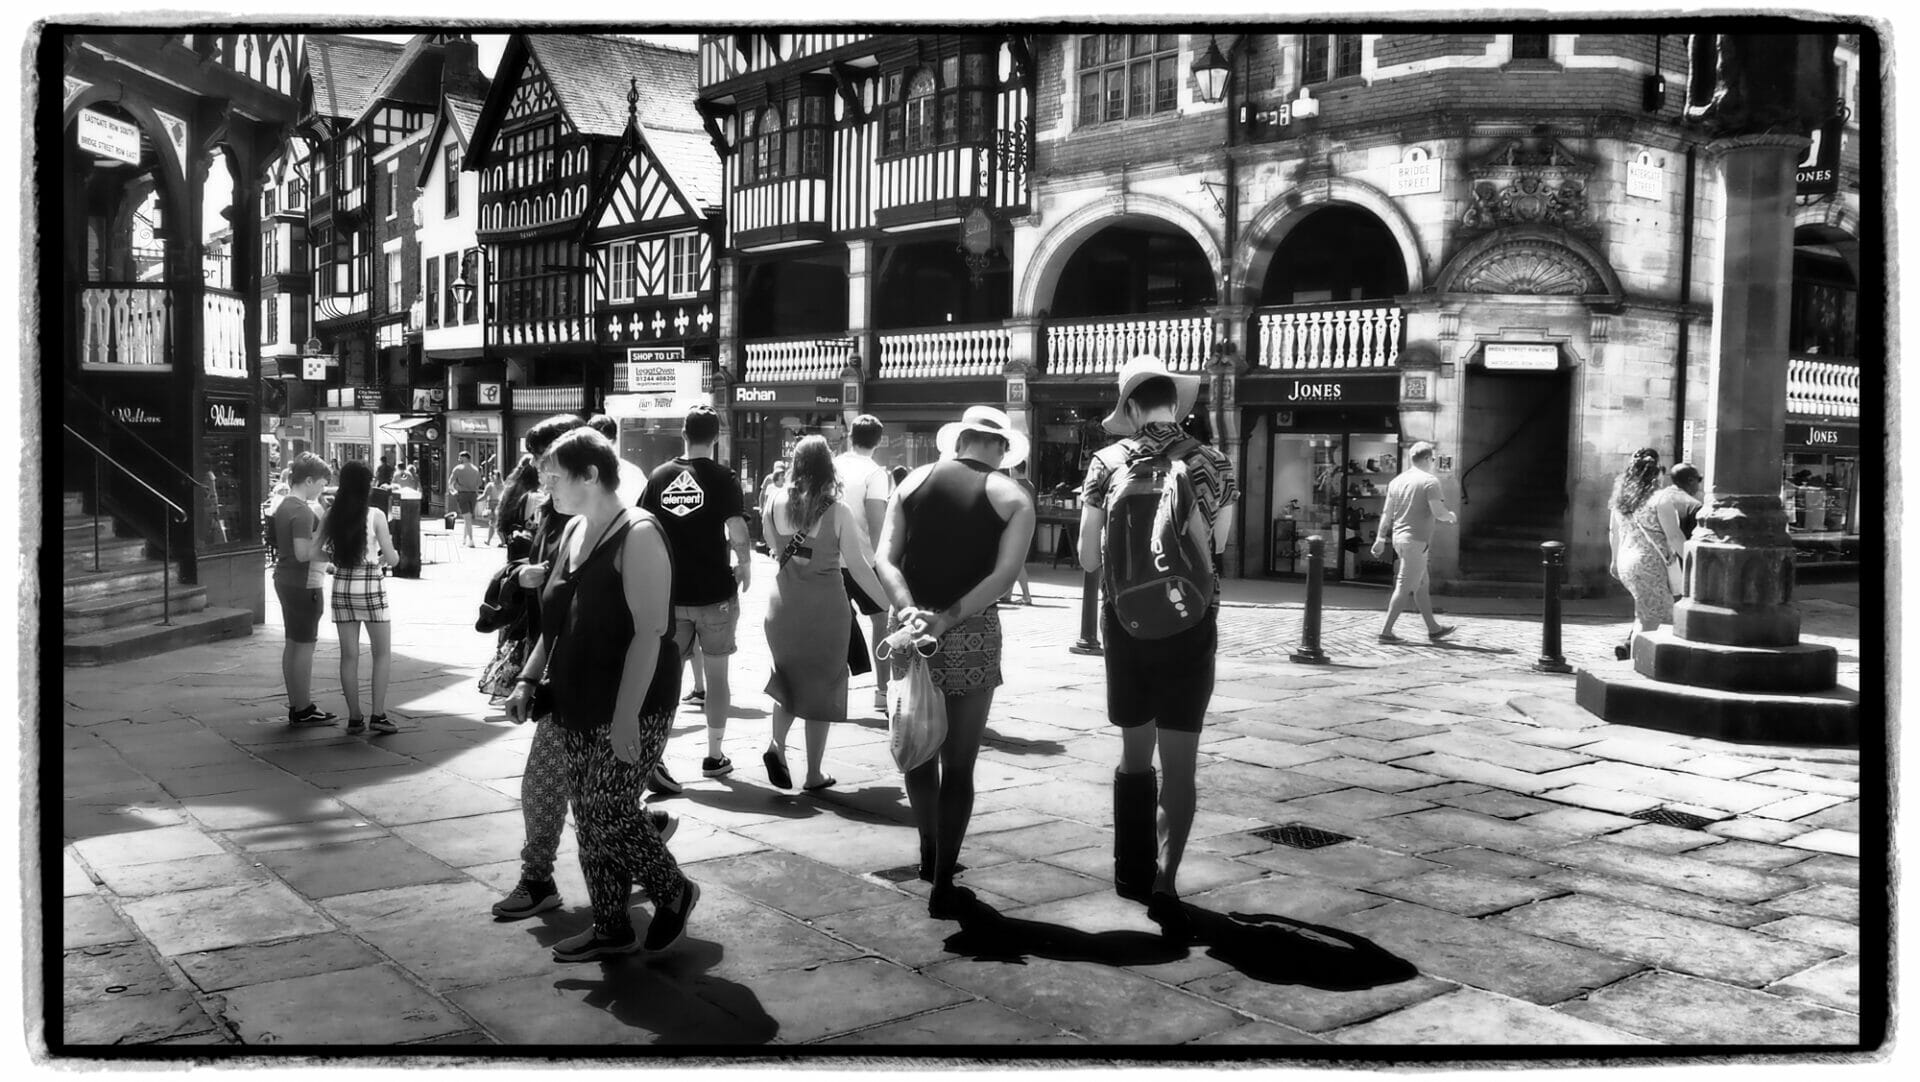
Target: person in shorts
<point>697,501</point>
<point>297,582</point>
<point>1413,505</point>
<point>1157,689</point>
<point>956,534</point>
<point>463,484</point>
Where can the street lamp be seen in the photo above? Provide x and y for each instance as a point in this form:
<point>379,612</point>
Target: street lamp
<point>1210,73</point>
<point>462,288</point>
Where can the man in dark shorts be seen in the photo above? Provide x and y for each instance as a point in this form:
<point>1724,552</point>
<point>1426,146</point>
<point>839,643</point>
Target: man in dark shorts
<point>1157,689</point>
<point>955,537</point>
<point>463,484</point>
<point>294,525</point>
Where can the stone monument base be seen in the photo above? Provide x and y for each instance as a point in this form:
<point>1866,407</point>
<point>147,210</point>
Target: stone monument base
<point>1619,694</point>
<point>1798,669</point>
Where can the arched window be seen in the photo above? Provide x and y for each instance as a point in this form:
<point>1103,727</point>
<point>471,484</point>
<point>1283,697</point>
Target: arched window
<point>920,111</point>
<point>766,149</point>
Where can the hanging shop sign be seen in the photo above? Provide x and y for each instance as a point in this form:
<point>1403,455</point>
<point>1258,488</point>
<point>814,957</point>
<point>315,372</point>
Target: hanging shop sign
<point>1520,357</point>
<point>490,395</point>
<point>313,368</point>
<point>808,395</point>
<point>429,399</point>
<point>1822,439</point>
<point>108,137</point>
<point>1819,172</point>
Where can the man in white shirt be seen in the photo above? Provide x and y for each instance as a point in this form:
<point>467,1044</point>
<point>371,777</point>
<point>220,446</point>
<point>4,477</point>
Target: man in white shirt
<point>1414,504</point>
<point>633,479</point>
<point>864,488</point>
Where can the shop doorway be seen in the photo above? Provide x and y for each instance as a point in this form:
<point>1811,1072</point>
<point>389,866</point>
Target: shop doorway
<point>1328,484</point>
<point>1513,470</point>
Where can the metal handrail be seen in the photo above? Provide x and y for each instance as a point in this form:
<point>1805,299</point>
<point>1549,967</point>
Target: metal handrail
<point>166,535</point>
<point>76,392</point>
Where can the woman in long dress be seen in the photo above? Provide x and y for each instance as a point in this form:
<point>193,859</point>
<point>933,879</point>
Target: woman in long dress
<point>1644,541</point>
<point>813,536</point>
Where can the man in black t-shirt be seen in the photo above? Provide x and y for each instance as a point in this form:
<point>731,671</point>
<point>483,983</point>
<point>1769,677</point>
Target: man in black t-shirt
<point>697,501</point>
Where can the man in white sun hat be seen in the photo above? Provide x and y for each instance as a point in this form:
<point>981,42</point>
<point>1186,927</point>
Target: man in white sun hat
<point>1155,510</point>
<point>955,538</point>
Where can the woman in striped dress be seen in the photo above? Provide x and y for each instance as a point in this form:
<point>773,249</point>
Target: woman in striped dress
<point>362,548</point>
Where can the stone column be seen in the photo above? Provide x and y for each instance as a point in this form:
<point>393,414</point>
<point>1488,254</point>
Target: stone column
<point>1741,575</point>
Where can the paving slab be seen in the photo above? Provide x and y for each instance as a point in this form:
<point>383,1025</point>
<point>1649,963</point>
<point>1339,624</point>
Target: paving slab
<point>632,1001</point>
<point>432,794</point>
<point>470,839</point>
<point>1489,862</point>
<point>1826,900</point>
<point>1098,1002</point>
<point>1827,868</point>
<point>214,780</point>
<point>1757,830</point>
<point>842,997</point>
<point>301,835</point>
<point>1835,983</point>
<point>1314,1008</point>
<point>323,871</point>
<point>1641,753</point>
<point>1805,782</point>
<point>1028,882</point>
<point>1470,1016</point>
<point>754,939</point>
<point>795,885</point>
<point>979,1021</point>
<point>1459,826</point>
<point>1666,899</point>
<point>1734,796</point>
<point>1199,870</point>
<point>1580,822</point>
<point>1495,802</point>
<point>1368,748</point>
<point>1677,1009</point>
<point>1820,931</point>
<point>1664,940</point>
<point>73,877</point>
<point>1217,780</point>
<point>258,963</point>
<point>1486,955</point>
<point>1041,840</point>
<point>412,926</point>
<point>1665,839</point>
<point>371,1005</point>
<point>847,844</point>
<point>135,1020</point>
<point>1798,807</point>
<point>1354,804</point>
<point>1756,855</point>
<point>1491,750</point>
<point>88,921</point>
<point>1348,863</point>
<point>1678,872</point>
<point>289,801</point>
<point>1379,777</point>
<point>1464,894</point>
<point>1844,816</point>
<point>1844,843</point>
<point>1261,751</point>
<point>110,973</point>
<point>199,920</point>
<point>1265,1034</point>
<point>1600,798</point>
<point>145,847</point>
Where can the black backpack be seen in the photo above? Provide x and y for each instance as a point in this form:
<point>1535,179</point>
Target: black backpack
<point>1155,566</point>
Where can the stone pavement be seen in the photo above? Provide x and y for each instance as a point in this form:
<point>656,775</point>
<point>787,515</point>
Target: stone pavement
<point>227,881</point>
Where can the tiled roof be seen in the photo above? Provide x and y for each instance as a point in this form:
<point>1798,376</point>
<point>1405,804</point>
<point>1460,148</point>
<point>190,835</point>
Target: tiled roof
<point>465,115</point>
<point>346,71</point>
<point>590,73</point>
<point>690,158</point>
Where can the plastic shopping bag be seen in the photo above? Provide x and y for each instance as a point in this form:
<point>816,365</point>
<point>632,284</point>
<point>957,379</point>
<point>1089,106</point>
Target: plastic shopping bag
<point>916,710</point>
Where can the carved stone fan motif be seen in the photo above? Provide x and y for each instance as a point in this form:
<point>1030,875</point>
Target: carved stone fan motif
<point>1529,269</point>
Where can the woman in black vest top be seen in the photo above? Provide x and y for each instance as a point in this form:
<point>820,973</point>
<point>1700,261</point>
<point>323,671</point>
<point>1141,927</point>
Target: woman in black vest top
<point>606,662</point>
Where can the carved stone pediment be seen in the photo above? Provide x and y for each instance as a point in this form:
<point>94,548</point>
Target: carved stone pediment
<point>1529,268</point>
<point>1530,182</point>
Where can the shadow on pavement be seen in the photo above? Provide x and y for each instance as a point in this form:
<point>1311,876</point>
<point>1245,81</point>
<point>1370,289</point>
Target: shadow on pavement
<point>1452,646</point>
<point>987,935</point>
<point>675,996</point>
<point>1019,745</point>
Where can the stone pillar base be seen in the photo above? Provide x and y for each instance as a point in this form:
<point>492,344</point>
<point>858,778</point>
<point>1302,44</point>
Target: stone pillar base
<point>1662,655</point>
<point>1770,625</point>
<point>1623,696</point>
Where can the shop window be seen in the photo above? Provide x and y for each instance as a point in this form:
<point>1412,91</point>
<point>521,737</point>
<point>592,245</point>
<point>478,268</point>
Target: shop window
<point>1329,56</point>
<point>229,510</point>
<point>1127,75</point>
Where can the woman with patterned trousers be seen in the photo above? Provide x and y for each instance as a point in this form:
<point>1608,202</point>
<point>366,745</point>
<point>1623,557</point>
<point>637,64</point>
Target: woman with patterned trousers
<point>955,538</point>
<point>607,664</point>
<point>361,548</point>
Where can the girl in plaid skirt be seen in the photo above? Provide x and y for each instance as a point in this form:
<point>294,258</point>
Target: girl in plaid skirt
<point>362,548</point>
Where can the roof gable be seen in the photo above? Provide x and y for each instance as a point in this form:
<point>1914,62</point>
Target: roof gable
<point>346,71</point>
<point>452,127</point>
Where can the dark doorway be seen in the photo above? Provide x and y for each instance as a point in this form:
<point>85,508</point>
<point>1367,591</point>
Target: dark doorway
<point>1513,470</point>
<point>1336,254</point>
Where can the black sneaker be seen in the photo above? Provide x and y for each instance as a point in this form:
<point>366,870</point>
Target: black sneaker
<point>590,944</point>
<point>379,724</point>
<point>356,726</point>
<point>669,923</point>
<point>311,715</point>
<point>527,899</point>
<point>716,768</point>
<point>664,783</point>
<point>664,823</point>
<point>696,697</point>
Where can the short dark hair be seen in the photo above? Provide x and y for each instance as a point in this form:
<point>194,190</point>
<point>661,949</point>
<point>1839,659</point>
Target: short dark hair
<point>541,436</point>
<point>1684,474</point>
<point>1154,393</point>
<point>971,437</point>
<point>866,432</point>
<point>582,447</point>
<point>1420,452</point>
<point>307,466</point>
<point>605,425</point>
<point>702,425</point>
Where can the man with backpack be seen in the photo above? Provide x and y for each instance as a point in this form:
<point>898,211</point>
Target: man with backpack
<point>1155,508</point>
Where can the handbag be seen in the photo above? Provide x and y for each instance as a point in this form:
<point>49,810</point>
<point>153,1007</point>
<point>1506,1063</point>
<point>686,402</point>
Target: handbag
<point>497,679</point>
<point>916,709</point>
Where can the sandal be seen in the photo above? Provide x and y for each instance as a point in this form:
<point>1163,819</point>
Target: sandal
<point>777,771</point>
<point>816,787</point>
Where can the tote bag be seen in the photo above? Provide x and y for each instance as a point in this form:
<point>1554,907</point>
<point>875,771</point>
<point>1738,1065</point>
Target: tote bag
<point>916,709</point>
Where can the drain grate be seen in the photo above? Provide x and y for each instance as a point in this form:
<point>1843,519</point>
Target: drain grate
<point>1667,817</point>
<point>1301,836</point>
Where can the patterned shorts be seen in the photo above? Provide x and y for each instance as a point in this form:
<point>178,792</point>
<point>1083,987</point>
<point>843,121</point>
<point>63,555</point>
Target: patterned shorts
<point>360,593</point>
<point>969,655</point>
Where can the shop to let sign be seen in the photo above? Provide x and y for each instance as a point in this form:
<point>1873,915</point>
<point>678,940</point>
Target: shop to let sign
<point>101,134</point>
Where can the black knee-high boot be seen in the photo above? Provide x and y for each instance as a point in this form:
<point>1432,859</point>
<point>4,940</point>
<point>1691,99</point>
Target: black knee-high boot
<point>1136,843</point>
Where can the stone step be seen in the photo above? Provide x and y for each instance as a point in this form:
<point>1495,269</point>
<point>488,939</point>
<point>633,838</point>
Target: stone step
<point>145,640</point>
<point>1800,669</point>
<point>115,552</point>
<point>141,577</point>
<point>132,607</point>
<point>1616,692</point>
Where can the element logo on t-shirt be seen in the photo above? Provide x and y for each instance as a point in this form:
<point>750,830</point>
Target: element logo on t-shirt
<point>683,496</point>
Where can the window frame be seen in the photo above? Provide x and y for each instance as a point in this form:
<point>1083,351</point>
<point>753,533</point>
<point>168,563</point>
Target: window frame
<point>1325,52</point>
<point>450,300</point>
<point>393,193</point>
<point>683,261</point>
<point>450,182</point>
<point>432,291</point>
<point>1546,48</point>
<point>1104,63</point>
<point>621,255</point>
<point>394,262</point>
<point>959,106</point>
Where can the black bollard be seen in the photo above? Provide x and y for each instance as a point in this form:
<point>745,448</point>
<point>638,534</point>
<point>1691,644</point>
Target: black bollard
<point>1089,615</point>
<point>1309,652</point>
<point>1553,557</point>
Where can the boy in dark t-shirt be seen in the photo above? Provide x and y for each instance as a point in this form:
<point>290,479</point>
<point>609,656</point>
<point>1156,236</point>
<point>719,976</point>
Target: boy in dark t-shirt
<point>294,525</point>
<point>697,501</point>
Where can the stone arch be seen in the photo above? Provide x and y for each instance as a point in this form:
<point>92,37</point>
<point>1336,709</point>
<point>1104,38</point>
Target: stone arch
<point>1041,273</point>
<point>1830,213</point>
<point>1270,226</point>
<point>1530,260</point>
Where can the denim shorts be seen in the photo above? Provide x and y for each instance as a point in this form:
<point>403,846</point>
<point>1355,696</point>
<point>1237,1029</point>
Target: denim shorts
<point>711,625</point>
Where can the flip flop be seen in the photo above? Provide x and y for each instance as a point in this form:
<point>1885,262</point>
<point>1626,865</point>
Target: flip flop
<point>828,784</point>
<point>777,771</point>
<point>1436,636</point>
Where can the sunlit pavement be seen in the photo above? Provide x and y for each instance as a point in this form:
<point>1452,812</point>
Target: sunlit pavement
<point>228,880</point>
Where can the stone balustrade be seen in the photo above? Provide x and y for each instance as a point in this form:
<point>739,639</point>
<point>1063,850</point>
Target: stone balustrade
<point>126,325</point>
<point>1084,347</point>
<point>1302,337</point>
<point>978,350</point>
<point>782,359</point>
<point>1818,387</point>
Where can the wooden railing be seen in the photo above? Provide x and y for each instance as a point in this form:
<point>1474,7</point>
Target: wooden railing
<point>536,399</point>
<point>1364,335</point>
<point>1091,346</point>
<point>811,358</point>
<point>979,350</point>
<point>567,328</point>
<point>223,334</point>
<point>126,325</point>
<point>1822,387</point>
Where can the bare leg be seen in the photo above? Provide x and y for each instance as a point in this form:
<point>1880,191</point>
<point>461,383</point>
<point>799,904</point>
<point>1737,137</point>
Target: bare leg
<point>719,699</point>
<point>1423,599</point>
<point>349,633</point>
<point>922,784</point>
<point>1178,752</point>
<point>1136,748</point>
<point>782,725</point>
<point>380,644</point>
<point>878,623</point>
<point>816,750</point>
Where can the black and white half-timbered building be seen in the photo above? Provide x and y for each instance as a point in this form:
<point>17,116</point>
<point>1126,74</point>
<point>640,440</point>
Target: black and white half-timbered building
<point>870,183</point>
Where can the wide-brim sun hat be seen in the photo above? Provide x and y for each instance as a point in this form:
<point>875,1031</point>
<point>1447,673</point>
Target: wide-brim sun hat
<point>1140,370</point>
<point>991,421</point>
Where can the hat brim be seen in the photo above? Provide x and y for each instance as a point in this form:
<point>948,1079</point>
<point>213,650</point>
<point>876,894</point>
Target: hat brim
<point>947,440</point>
<point>1186,391</point>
